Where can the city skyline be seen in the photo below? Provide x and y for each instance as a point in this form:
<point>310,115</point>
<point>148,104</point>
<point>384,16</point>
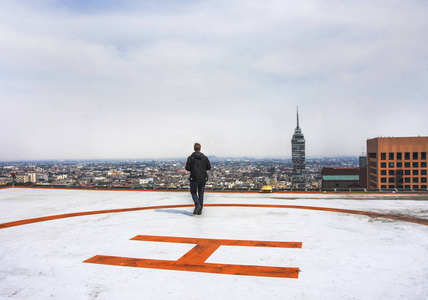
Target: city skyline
<point>183,158</point>
<point>242,174</point>
<point>117,80</point>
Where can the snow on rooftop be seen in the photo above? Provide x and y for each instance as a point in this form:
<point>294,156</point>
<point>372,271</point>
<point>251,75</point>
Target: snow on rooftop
<point>343,255</point>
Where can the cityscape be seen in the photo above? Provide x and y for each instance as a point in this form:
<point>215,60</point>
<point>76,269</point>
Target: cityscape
<point>226,173</point>
<point>390,163</point>
<point>243,174</point>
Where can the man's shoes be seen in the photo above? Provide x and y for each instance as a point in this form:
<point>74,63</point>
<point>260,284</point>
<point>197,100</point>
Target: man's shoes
<point>198,210</point>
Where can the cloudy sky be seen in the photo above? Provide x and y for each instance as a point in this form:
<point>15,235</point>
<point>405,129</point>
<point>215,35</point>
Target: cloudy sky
<point>146,79</point>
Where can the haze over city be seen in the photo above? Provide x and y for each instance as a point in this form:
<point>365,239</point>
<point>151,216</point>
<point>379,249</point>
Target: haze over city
<point>120,79</point>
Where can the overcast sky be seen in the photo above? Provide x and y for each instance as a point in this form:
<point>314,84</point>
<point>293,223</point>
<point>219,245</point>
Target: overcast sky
<point>122,79</point>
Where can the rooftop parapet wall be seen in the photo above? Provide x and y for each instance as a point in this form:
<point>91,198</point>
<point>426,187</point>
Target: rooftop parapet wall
<point>396,144</point>
<point>234,190</point>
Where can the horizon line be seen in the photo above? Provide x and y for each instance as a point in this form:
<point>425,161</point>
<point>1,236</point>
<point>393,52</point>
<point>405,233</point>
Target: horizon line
<point>171,158</point>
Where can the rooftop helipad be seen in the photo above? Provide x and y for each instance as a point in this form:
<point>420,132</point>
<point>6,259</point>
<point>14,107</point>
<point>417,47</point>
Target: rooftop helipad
<point>83,244</point>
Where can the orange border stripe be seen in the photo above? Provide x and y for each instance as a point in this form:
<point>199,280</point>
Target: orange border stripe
<point>337,210</point>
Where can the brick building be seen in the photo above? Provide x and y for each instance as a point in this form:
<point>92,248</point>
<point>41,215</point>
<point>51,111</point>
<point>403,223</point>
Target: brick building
<point>397,162</point>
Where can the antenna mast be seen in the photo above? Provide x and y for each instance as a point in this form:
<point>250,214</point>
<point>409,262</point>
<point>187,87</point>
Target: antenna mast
<point>297,117</point>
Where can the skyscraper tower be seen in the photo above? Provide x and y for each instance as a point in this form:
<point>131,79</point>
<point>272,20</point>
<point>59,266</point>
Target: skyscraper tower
<point>298,157</point>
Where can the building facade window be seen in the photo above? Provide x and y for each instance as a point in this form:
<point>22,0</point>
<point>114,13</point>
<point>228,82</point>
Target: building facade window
<point>391,155</point>
<point>415,155</point>
<point>423,172</point>
<point>407,155</point>
<point>383,165</point>
<point>406,172</point>
<point>407,180</point>
<point>415,180</point>
<point>415,172</point>
<point>391,180</point>
<point>383,156</point>
<point>407,165</point>
<point>399,156</point>
<point>423,155</point>
<point>341,177</point>
<point>382,172</point>
<point>391,165</point>
<point>391,172</point>
<point>423,164</point>
<point>383,179</point>
<point>373,155</point>
<point>415,164</point>
<point>399,165</point>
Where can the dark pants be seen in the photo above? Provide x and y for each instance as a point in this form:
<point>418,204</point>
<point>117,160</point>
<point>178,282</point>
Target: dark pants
<point>200,188</point>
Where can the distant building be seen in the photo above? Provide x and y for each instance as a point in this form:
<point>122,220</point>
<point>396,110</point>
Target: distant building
<point>32,177</point>
<point>362,160</point>
<point>22,178</point>
<point>5,180</point>
<point>344,178</point>
<point>42,177</point>
<point>298,158</point>
<point>397,162</point>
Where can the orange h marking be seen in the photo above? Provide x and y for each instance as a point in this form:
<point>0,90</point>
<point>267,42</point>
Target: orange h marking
<point>194,260</point>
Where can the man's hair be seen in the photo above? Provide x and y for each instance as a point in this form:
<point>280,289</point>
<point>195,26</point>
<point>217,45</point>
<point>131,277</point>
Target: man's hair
<point>197,147</point>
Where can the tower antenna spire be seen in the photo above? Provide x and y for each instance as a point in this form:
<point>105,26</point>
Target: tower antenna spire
<point>297,117</point>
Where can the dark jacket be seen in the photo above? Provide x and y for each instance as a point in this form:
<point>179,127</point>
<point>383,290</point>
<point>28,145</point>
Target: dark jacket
<point>198,164</point>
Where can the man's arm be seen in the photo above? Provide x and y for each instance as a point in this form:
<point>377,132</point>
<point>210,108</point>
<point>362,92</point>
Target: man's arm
<point>208,164</point>
<point>189,164</point>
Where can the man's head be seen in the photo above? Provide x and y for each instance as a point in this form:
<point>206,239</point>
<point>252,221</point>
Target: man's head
<point>197,147</point>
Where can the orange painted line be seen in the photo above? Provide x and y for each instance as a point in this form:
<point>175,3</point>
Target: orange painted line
<point>87,213</point>
<point>98,189</point>
<point>205,247</point>
<point>6,187</point>
<point>338,210</point>
<point>194,259</point>
<point>199,254</point>
<point>186,240</point>
<point>204,268</point>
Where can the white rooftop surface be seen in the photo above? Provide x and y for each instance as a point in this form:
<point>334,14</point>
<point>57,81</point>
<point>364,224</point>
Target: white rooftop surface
<point>343,256</point>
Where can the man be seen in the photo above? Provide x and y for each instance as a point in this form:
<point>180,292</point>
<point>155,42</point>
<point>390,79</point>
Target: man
<point>198,164</point>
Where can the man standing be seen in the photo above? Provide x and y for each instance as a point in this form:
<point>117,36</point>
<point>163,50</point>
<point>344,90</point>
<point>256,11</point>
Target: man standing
<point>198,164</point>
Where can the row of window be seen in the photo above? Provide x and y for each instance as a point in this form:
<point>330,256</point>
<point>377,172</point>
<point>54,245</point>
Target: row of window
<point>414,164</point>
<point>401,180</point>
<point>403,172</point>
<point>407,155</point>
<point>407,186</point>
<point>341,177</point>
